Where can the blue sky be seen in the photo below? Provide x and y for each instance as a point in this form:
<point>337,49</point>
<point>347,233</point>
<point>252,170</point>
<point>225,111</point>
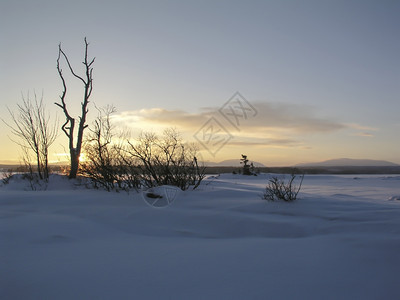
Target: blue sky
<point>303,65</point>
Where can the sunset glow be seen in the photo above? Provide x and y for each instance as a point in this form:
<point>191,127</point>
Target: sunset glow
<point>318,80</point>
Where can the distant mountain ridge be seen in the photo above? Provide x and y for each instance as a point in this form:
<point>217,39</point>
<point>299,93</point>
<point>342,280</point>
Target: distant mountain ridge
<point>349,162</point>
<point>231,163</point>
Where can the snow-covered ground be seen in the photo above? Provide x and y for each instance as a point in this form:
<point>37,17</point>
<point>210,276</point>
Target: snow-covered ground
<point>339,240</point>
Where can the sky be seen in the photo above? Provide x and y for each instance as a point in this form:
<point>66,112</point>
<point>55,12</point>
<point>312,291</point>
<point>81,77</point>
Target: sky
<point>283,82</point>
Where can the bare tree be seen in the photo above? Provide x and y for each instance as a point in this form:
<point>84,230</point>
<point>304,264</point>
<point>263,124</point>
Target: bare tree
<point>69,126</point>
<point>34,131</point>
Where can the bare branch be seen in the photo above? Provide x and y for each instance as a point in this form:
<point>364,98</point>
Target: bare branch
<point>70,67</point>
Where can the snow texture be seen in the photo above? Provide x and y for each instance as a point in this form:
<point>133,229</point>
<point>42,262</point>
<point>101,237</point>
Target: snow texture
<point>339,240</point>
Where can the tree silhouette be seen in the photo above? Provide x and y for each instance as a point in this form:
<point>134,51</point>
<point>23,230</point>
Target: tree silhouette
<point>246,166</point>
<point>69,126</point>
<point>35,131</point>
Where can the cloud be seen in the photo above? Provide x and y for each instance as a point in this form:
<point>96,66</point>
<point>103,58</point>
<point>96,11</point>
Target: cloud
<point>279,125</point>
<point>294,117</point>
<point>262,143</point>
<point>361,127</point>
<point>274,125</point>
<point>270,116</point>
<point>163,117</point>
<point>363,134</point>
<point>361,130</point>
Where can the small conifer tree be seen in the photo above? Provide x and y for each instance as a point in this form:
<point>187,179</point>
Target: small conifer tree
<point>246,166</point>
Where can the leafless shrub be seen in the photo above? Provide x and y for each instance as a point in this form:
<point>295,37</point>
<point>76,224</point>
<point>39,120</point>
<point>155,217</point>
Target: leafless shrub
<point>280,189</point>
<point>7,175</point>
<point>114,162</point>
<point>167,160</point>
<point>29,173</point>
<point>106,164</point>
<point>34,132</point>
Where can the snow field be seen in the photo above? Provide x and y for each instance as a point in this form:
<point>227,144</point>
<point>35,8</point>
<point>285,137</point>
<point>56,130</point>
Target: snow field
<point>339,240</point>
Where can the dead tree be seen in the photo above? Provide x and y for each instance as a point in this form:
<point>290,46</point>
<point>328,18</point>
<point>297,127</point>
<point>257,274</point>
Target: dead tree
<point>69,126</point>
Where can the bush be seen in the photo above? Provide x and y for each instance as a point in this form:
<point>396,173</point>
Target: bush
<point>7,175</point>
<point>150,161</point>
<point>167,160</point>
<point>106,163</point>
<point>280,189</point>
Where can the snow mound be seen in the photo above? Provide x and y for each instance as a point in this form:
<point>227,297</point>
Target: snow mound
<point>22,182</point>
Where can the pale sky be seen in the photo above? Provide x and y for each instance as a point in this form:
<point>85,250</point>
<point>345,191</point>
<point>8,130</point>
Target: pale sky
<point>323,77</point>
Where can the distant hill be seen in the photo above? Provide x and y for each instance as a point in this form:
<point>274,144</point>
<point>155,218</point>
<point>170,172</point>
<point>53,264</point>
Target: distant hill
<point>348,162</point>
<point>231,163</point>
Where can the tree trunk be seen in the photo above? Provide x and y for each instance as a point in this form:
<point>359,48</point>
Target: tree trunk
<point>39,169</point>
<point>74,164</point>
